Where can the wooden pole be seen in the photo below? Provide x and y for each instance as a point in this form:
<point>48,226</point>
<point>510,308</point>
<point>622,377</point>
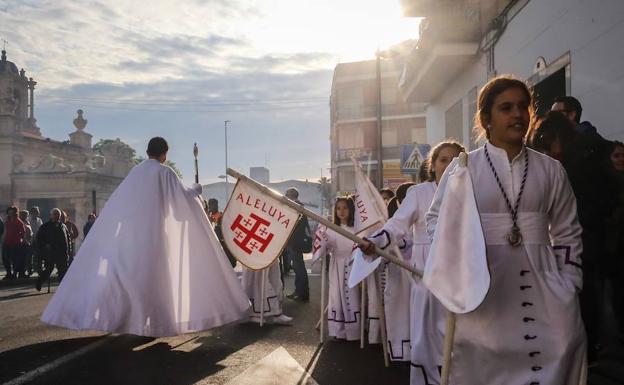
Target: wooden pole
<point>448,349</point>
<point>382,319</point>
<point>323,309</point>
<point>362,313</point>
<point>310,214</point>
<point>262,291</point>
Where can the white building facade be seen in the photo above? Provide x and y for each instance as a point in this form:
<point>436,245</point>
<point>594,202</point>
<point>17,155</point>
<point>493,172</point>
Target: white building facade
<point>560,47</point>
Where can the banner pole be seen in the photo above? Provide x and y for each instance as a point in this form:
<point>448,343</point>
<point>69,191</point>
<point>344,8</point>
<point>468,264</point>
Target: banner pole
<point>262,290</point>
<point>362,313</point>
<point>323,309</point>
<point>382,319</point>
<point>311,214</point>
<point>448,349</point>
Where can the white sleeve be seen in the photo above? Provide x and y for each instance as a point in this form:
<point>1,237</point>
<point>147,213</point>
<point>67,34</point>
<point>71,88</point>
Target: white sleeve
<point>565,230</point>
<point>399,226</point>
<point>431,218</point>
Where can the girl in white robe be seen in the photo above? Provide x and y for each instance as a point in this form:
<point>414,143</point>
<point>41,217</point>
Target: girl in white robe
<point>273,294</point>
<point>528,329</point>
<point>427,315</point>
<point>343,313</point>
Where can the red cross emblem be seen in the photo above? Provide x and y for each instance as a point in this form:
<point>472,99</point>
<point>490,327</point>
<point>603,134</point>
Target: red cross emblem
<point>251,233</point>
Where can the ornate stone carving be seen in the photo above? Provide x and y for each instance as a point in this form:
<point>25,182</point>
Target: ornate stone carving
<point>52,163</point>
<point>18,163</point>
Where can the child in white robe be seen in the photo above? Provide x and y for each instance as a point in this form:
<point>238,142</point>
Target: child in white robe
<point>343,313</point>
<point>273,294</point>
<point>427,315</point>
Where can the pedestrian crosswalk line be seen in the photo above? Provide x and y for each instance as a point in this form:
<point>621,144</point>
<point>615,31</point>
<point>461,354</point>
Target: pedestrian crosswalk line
<point>277,368</point>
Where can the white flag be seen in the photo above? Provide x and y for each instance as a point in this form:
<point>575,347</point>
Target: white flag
<point>370,209</point>
<point>319,246</point>
<point>256,226</point>
<point>456,271</point>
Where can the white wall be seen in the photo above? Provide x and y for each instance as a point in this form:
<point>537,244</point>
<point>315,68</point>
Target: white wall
<point>591,30</point>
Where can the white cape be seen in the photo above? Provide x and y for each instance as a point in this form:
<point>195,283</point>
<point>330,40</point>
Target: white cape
<point>150,266</point>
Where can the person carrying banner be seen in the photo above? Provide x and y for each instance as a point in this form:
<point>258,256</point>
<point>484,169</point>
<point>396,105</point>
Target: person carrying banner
<point>267,304</point>
<point>343,311</point>
<point>528,329</point>
<point>151,265</point>
<point>427,315</point>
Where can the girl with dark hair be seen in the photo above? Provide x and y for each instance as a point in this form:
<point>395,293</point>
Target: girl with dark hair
<point>343,312</point>
<point>415,333</point>
<point>528,329</point>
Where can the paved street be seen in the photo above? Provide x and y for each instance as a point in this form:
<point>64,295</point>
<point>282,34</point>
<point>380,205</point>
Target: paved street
<point>233,354</point>
<point>214,357</point>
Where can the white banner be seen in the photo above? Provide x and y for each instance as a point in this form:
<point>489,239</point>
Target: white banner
<point>256,226</point>
<point>370,209</point>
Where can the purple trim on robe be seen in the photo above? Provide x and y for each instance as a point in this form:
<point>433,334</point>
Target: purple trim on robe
<point>567,260</point>
<point>382,232</point>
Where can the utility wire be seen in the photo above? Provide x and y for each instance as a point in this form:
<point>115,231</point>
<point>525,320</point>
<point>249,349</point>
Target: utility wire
<point>125,107</point>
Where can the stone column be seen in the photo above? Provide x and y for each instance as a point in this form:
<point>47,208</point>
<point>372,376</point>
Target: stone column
<point>31,89</point>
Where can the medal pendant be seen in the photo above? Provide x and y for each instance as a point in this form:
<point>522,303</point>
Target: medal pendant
<point>514,237</point>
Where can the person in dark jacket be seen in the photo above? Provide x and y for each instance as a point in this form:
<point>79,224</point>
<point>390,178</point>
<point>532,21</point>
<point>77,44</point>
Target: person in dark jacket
<point>53,241</point>
<point>295,249</point>
<point>87,227</point>
<point>583,157</point>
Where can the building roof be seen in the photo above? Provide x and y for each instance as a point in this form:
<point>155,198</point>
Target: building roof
<point>7,67</point>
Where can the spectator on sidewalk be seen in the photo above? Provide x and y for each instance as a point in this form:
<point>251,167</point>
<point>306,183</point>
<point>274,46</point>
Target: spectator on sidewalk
<point>582,156</point>
<point>26,257</point>
<point>73,234</point>
<point>615,238</point>
<point>215,216</point>
<point>297,245</point>
<point>11,246</point>
<point>53,241</point>
<point>386,194</point>
<point>35,224</point>
<point>87,227</point>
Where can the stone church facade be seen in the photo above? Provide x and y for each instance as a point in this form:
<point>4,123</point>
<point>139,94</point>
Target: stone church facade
<point>39,171</point>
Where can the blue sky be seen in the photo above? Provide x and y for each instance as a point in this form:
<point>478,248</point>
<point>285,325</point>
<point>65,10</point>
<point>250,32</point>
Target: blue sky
<point>180,69</point>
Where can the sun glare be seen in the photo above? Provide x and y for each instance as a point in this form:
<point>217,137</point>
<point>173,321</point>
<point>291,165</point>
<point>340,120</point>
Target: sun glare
<point>349,30</point>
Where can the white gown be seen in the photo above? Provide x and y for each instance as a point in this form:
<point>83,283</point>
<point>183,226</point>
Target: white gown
<point>528,330</point>
<point>343,313</point>
<point>427,320</point>
<point>397,291</point>
<point>150,266</point>
<point>273,291</point>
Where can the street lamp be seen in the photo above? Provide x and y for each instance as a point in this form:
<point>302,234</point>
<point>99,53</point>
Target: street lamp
<point>379,127</point>
<point>388,54</point>
<point>227,192</point>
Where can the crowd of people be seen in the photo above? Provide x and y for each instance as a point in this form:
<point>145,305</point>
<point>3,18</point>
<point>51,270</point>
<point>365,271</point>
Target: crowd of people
<point>31,246</point>
<point>550,195</point>
<point>549,198</point>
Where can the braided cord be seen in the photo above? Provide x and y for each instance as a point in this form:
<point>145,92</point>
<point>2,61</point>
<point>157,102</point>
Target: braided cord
<point>512,210</point>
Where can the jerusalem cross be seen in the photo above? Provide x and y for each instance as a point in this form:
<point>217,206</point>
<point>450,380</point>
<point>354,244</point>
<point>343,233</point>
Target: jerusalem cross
<point>251,233</point>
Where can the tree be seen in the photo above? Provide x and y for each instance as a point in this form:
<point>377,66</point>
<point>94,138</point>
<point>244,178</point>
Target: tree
<point>325,189</point>
<point>169,163</point>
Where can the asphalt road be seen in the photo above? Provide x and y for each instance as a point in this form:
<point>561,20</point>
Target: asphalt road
<point>218,356</point>
<point>213,357</point>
